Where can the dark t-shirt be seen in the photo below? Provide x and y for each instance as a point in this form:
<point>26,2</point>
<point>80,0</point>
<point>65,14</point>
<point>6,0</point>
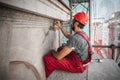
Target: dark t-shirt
<point>79,45</point>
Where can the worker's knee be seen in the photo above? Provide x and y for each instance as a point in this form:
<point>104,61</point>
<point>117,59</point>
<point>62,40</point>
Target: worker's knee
<point>47,57</point>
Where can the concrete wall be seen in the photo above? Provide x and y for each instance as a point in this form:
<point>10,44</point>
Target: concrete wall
<point>48,8</point>
<point>4,46</point>
<point>26,36</point>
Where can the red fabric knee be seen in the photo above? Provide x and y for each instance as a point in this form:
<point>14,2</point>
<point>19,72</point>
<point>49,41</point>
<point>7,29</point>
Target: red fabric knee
<point>48,64</point>
<point>69,63</point>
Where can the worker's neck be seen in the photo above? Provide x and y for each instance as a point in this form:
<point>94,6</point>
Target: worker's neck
<point>77,30</point>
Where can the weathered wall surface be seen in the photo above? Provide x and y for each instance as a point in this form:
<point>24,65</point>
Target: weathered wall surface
<point>4,58</point>
<point>26,36</point>
<point>48,8</point>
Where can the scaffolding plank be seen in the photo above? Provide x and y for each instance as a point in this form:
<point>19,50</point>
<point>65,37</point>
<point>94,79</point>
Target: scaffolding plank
<point>63,75</point>
<point>105,70</point>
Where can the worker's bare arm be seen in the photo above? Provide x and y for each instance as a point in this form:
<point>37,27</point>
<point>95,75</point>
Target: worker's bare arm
<point>64,52</point>
<point>66,34</point>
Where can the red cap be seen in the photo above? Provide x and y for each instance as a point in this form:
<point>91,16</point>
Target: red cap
<point>81,17</point>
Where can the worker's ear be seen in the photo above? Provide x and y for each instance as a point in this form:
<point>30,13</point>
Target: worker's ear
<point>76,24</point>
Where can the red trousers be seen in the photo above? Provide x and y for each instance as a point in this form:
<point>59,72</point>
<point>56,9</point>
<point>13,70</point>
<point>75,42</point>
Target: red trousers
<point>69,63</point>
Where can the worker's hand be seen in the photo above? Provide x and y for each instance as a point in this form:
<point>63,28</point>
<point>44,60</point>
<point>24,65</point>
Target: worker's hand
<point>58,24</point>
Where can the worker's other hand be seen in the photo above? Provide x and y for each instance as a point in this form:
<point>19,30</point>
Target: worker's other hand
<point>58,24</point>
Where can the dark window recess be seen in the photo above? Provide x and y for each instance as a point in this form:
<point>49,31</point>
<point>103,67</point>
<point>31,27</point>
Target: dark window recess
<point>119,37</point>
<point>119,64</point>
<point>118,51</point>
<point>119,44</point>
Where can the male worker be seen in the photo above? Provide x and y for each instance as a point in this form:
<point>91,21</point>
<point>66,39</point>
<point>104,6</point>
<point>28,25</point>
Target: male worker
<point>75,53</point>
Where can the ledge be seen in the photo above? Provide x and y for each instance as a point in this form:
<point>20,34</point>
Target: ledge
<point>44,8</point>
